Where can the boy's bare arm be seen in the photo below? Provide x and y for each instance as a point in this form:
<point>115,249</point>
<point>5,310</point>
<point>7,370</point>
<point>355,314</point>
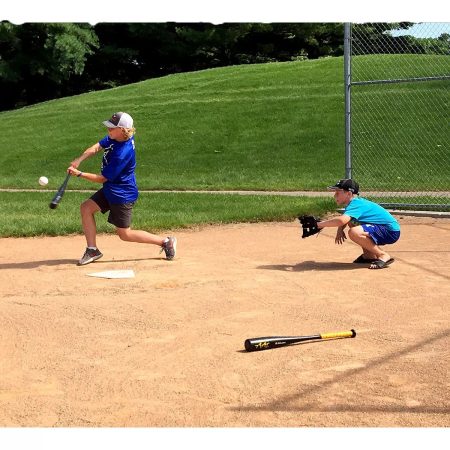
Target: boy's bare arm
<point>340,221</point>
<point>91,151</point>
<point>94,177</point>
<point>74,171</point>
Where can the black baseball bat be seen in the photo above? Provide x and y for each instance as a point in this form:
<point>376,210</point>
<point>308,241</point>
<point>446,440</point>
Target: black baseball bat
<point>264,343</point>
<point>58,196</point>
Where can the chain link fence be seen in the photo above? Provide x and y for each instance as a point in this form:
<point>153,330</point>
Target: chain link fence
<point>397,113</point>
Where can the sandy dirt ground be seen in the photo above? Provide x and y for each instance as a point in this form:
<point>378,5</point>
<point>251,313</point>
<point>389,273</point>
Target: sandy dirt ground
<point>165,349</point>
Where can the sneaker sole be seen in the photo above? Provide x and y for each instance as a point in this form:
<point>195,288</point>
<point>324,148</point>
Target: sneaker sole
<point>90,260</point>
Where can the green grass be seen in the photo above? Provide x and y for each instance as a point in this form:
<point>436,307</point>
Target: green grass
<point>399,66</point>
<point>271,126</point>
<point>277,126</point>
<point>29,214</point>
<point>400,136</point>
<point>422,144</point>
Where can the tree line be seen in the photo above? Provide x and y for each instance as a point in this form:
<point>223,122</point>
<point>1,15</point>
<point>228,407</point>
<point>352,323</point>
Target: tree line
<point>42,61</point>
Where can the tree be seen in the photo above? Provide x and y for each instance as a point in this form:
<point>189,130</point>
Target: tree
<point>44,61</point>
<point>37,59</point>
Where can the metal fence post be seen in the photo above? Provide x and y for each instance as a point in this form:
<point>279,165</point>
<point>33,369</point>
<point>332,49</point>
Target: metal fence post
<point>347,84</point>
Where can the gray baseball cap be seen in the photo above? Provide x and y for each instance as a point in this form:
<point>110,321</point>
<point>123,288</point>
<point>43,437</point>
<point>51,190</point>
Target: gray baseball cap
<point>119,120</point>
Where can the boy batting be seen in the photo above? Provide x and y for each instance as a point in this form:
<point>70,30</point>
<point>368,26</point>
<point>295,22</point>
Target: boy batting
<point>119,191</point>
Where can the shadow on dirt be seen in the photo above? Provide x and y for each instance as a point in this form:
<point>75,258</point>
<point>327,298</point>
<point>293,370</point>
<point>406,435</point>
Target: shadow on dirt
<point>305,266</point>
<point>62,262</point>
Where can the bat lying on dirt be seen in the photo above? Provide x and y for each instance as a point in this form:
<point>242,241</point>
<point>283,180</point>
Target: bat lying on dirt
<point>264,343</point>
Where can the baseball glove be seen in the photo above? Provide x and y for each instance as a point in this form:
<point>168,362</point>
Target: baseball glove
<point>309,225</point>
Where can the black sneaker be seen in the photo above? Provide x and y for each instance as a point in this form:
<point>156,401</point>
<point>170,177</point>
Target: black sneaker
<point>90,255</point>
<point>170,247</point>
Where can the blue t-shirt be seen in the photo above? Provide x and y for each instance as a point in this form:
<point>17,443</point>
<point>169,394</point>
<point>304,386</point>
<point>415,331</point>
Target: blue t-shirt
<point>363,211</point>
<point>118,165</point>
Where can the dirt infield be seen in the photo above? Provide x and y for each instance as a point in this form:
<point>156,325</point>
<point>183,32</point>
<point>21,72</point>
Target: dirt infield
<point>165,349</point>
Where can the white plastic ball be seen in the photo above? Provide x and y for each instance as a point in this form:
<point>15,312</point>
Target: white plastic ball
<point>43,181</point>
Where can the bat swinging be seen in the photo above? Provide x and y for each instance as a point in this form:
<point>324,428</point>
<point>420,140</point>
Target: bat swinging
<point>58,196</point>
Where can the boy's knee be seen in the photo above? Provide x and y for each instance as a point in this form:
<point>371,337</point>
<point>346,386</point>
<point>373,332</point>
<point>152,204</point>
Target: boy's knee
<point>355,232</point>
<point>89,207</point>
<point>84,207</point>
<point>123,234</point>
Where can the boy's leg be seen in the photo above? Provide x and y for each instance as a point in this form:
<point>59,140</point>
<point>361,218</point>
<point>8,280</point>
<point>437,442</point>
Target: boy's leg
<point>143,237</point>
<point>120,217</point>
<point>88,209</point>
<point>370,249</point>
<point>169,244</point>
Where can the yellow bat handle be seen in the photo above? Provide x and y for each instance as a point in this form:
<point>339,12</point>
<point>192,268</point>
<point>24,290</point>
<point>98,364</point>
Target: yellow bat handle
<point>339,334</point>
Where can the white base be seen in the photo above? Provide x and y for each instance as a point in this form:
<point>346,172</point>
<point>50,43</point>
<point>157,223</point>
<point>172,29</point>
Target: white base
<point>113,274</point>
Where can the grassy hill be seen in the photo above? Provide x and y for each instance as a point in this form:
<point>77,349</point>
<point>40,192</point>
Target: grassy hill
<point>276,126</point>
<point>269,126</point>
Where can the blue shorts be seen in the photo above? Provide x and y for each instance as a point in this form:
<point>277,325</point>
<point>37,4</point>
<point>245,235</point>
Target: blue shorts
<point>380,234</point>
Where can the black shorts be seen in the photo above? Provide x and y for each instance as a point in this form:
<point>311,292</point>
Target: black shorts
<point>119,214</point>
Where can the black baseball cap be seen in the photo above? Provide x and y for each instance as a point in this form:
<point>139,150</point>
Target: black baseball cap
<point>346,184</point>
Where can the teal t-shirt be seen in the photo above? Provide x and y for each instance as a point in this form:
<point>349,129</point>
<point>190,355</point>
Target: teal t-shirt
<point>363,211</point>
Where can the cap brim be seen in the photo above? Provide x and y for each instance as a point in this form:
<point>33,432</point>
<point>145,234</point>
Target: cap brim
<point>334,188</point>
<point>109,124</point>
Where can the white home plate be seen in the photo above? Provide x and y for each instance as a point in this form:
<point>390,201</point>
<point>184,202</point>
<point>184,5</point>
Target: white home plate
<point>113,274</point>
